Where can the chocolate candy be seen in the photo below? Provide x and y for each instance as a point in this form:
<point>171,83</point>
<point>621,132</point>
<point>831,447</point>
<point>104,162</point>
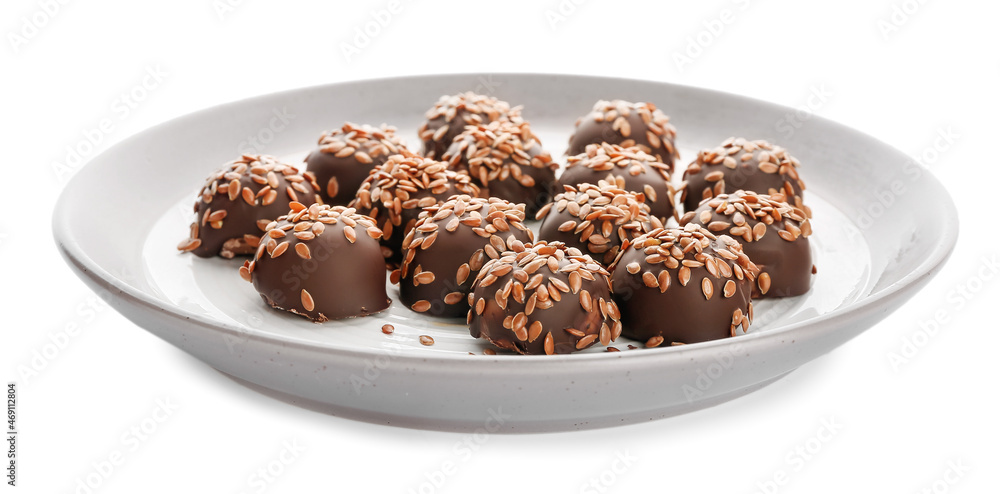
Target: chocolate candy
<point>237,201</point>
<point>626,124</point>
<point>739,164</point>
<point>543,299</point>
<point>396,191</point>
<point>773,234</point>
<point>683,286</point>
<point>507,161</point>
<point>596,219</point>
<point>320,262</point>
<point>631,168</point>
<point>451,114</point>
<point>446,249</point>
<point>344,157</point>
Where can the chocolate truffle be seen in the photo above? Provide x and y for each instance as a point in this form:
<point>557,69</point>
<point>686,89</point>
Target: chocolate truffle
<point>596,219</point>
<point>451,114</point>
<point>632,169</point>
<point>237,201</point>
<point>773,234</point>
<point>344,157</point>
<point>543,298</point>
<point>683,286</point>
<point>507,161</point>
<point>320,262</point>
<point>446,249</point>
<point>739,164</point>
<point>626,124</point>
<point>396,191</point>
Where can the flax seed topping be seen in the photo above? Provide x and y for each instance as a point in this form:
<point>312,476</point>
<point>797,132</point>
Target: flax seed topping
<point>448,246</point>
<point>596,219</point>
<point>773,233</point>
<point>396,192</point>
<point>629,168</point>
<point>683,285</point>
<point>308,264</point>
<point>343,158</point>
<point>235,200</point>
<point>627,124</point>
<point>506,160</point>
<point>741,164</point>
<point>449,116</point>
<point>543,298</point>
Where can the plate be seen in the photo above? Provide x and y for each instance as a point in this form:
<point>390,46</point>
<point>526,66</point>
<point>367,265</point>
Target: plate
<point>883,226</point>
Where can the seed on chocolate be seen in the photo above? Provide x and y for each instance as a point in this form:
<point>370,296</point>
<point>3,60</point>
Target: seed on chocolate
<point>706,288</point>
<point>729,289</point>
<point>764,282</point>
<point>654,342</point>
<point>586,341</point>
<point>421,306</point>
<point>453,298</point>
<point>307,300</point>
<point>650,280</point>
<point>585,300</point>
<point>303,251</point>
<point>279,249</point>
<point>632,268</point>
<point>550,346</point>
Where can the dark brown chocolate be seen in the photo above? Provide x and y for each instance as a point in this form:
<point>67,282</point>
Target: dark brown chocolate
<point>507,161</point>
<point>631,168</point>
<point>237,201</point>
<point>740,164</point>
<point>683,286</point>
<point>543,299</point>
<point>774,234</point>
<point>396,192</point>
<point>596,219</point>
<point>626,124</point>
<point>446,249</point>
<point>344,157</point>
<point>320,262</point>
<point>449,116</point>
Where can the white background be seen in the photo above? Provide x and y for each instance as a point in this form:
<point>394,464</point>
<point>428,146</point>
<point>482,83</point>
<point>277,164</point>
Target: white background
<point>930,422</point>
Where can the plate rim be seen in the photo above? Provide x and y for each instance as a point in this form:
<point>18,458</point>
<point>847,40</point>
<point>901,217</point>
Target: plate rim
<point>85,266</point>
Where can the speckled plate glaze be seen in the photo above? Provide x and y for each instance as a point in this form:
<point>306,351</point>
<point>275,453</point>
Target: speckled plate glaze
<point>871,258</point>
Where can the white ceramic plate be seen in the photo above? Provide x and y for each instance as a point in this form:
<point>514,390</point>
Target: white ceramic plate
<point>119,219</point>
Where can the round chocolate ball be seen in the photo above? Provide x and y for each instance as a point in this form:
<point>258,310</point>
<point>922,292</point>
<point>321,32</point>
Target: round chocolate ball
<point>596,219</point>
<point>683,286</point>
<point>446,249</point>
<point>396,192</point>
<point>774,234</point>
<point>507,161</point>
<point>631,168</point>
<point>739,164</point>
<point>451,114</point>
<point>239,200</point>
<point>344,157</point>
<point>626,124</point>
<point>543,298</point>
<point>320,262</point>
